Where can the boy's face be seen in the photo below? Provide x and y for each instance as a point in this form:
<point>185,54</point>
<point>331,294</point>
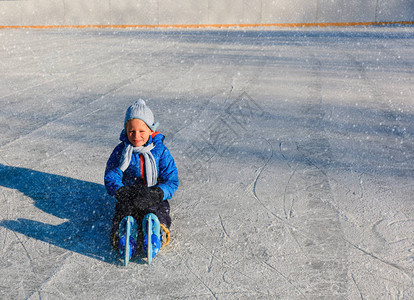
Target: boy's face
<point>137,132</point>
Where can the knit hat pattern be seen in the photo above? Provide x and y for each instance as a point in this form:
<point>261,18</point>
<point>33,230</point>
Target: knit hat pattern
<point>139,110</point>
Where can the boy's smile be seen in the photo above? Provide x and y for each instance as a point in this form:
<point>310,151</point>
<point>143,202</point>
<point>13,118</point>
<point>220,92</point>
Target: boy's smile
<point>137,132</point>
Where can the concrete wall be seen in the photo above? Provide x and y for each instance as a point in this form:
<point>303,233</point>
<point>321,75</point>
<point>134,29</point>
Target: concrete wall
<point>178,12</point>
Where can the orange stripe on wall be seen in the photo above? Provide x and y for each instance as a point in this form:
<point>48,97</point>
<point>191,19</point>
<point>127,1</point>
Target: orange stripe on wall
<point>342,24</point>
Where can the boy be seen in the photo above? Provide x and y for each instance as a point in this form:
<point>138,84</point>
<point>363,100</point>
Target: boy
<point>140,173</point>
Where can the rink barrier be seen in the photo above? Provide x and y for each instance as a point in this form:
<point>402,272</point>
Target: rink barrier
<point>183,26</point>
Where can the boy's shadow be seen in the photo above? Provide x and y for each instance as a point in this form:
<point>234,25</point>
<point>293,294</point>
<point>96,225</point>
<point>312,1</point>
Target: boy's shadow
<point>85,208</point>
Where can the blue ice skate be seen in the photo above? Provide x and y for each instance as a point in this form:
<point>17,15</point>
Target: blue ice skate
<point>128,234</point>
<point>152,236</point>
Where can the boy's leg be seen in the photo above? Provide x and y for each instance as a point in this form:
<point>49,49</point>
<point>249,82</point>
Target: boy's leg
<point>163,214</point>
<point>121,210</point>
<point>139,216</point>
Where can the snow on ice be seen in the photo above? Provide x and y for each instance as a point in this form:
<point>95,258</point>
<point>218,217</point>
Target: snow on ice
<point>295,150</point>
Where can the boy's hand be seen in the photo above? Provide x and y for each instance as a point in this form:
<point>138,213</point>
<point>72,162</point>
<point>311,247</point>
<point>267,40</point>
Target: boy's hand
<point>140,196</point>
<point>124,194</point>
<point>129,193</point>
<point>140,190</point>
<point>154,197</point>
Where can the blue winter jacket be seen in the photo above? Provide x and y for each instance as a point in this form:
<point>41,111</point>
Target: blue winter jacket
<point>167,171</point>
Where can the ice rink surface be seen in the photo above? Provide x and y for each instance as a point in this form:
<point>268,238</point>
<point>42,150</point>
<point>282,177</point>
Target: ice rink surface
<point>295,149</point>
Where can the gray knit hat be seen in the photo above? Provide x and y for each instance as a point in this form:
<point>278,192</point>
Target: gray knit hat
<point>139,110</point>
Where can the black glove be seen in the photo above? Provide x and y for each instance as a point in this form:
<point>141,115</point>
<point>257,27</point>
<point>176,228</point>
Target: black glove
<point>124,194</point>
<point>128,194</point>
<point>154,197</point>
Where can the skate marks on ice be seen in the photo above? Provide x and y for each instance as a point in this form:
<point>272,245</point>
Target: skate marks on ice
<point>320,249</point>
<point>314,223</point>
<point>307,198</point>
<point>252,250</point>
<point>292,239</point>
<point>371,176</point>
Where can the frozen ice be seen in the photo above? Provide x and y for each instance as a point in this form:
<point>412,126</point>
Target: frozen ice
<point>295,150</point>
